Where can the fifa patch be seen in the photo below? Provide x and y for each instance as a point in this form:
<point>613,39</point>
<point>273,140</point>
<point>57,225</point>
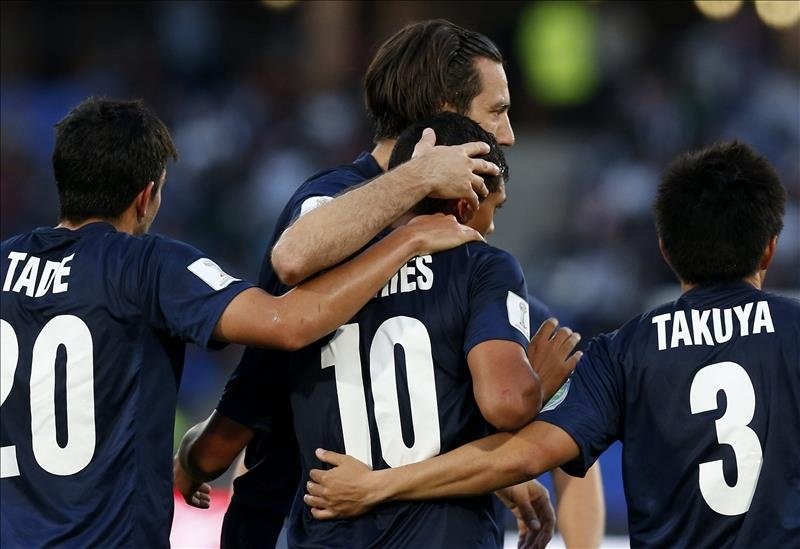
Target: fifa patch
<point>210,273</point>
<point>313,203</point>
<point>557,398</point>
<point>518,315</point>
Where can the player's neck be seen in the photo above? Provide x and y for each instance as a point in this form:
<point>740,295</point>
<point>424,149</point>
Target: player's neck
<point>383,151</point>
<point>756,280</point>
<point>122,224</point>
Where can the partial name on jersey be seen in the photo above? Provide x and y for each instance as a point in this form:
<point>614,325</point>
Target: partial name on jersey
<point>35,279</point>
<point>711,326</point>
<point>414,275</point>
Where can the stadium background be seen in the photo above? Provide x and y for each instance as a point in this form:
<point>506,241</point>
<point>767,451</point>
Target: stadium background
<point>259,95</point>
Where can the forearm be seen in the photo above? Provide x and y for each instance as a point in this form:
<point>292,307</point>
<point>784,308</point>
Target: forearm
<point>186,459</point>
<point>580,507</point>
<point>481,466</point>
<point>476,468</point>
<point>336,230</point>
<point>319,306</point>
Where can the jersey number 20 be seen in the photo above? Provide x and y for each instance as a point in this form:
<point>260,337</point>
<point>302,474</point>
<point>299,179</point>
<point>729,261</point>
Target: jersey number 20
<point>343,353</point>
<point>732,429</point>
<point>71,332</point>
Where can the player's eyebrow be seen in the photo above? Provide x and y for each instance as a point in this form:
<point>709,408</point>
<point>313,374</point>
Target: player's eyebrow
<point>501,106</point>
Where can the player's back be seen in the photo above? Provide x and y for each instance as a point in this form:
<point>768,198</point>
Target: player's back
<point>393,387</point>
<point>91,360</point>
<point>710,420</point>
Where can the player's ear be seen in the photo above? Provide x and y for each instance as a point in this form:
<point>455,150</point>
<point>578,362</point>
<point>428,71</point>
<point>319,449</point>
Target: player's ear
<point>664,253</point>
<point>769,253</point>
<point>463,211</point>
<point>142,200</point>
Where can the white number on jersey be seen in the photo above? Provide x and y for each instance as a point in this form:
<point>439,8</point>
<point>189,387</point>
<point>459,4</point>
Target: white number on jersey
<point>71,332</point>
<point>343,353</point>
<point>732,429</point>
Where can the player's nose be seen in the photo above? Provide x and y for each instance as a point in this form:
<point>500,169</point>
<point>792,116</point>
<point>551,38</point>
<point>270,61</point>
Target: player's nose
<point>505,134</point>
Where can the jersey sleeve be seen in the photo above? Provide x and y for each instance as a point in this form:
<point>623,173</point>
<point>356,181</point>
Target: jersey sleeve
<point>498,306</point>
<point>256,394</point>
<point>589,405</point>
<point>184,292</point>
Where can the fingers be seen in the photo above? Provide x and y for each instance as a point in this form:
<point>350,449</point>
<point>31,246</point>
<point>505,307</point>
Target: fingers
<point>204,488</point>
<point>323,514</point>
<point>472,196</point>
<point>330,457</point>
<point>317,475</point>
<point>201,500</point>
<point>425,143</point>
<point>475,148</point>
<point>547,329</point>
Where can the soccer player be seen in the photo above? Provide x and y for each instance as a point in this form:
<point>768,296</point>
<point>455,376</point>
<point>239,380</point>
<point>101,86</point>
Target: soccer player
<point>441,347</point>
<point>702,391</point>
<point>423,69</point>
<point>95,314</point>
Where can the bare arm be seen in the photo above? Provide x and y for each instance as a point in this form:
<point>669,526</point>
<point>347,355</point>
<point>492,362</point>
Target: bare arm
<point>351,489</point>
<point>581,509</point>
<point>206,451</point>
<point>506,389</point>
<point>319,306</point>
<point>336,230</point>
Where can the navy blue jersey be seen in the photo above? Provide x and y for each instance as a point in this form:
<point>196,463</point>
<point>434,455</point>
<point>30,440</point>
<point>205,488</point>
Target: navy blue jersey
<point>393,387</point>
<point>93,325</point>
<point>704,394</point>
<point>264,405</point>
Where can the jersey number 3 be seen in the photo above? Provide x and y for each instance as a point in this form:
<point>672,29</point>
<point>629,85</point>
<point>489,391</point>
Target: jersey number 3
<point>732,429</point>
<point>71,332</point>
<point>343,353</point>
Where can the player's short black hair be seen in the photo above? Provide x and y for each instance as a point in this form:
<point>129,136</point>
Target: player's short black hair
<point>451,129</point>
<point>105,153</point>
<point>421,68</point>
<point>716,210</point>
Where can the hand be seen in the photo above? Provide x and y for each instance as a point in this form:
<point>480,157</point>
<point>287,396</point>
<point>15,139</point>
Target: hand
<point>536,519</point>
<point>549,354</point>
<point>438,232</point>
<point>345,491</point>
<point>452,172</point>
<point>195,493</point>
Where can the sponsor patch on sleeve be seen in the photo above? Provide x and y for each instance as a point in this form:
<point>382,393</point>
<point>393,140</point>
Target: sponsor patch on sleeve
<point>313,203</point>
<point>518,314</point>
<point>210,273</point>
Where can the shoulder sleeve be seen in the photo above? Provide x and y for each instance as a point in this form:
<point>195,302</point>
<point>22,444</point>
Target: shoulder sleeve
<point>317,192</point>
<point>256,394</point>
<point>539,312</point>
<point>589,407</point>
<point>498,306</point>
<point>184,292</point>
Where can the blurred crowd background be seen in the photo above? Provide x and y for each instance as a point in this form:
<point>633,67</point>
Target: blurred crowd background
<point>259,95</point>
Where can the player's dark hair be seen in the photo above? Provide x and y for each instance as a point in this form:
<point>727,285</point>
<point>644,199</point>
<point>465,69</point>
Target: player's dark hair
<point>716,211</point>
<point>105,153</point>
<point>450,129</point>
<point>420,69</point>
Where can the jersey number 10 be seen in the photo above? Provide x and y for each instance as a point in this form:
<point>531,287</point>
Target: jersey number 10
<point>71,332</point>
<point>343,353</point>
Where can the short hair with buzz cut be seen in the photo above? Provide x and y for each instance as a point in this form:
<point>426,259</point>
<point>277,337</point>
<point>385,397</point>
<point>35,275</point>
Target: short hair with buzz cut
<point>106,152</point>
<point>450,129</point>
<point>716,211</point>
<point>422,68</point>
